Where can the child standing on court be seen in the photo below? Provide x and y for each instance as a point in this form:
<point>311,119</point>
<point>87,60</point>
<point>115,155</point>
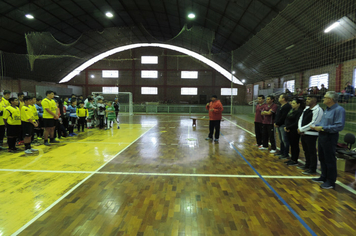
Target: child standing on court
<point>72,114</point>
<point>28,123</point>
<point>82,114</point>
<point>101,112</point>
<point>110,113</point>
<point>91,108</point>
<point>12,119</point>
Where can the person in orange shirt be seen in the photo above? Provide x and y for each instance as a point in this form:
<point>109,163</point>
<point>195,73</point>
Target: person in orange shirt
<point>215,109</point>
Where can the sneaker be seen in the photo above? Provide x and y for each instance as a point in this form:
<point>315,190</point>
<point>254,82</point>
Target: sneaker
<point>216,140</point>
<point>34,150</point>
<point>318,180</point>
<point>287,161</point>
<point>54,141</point>
<point>74,134</point>
<point>303,167</point>
<point>326,185</point>
<point>70,135</point>
<point>208,139</point>
<point>12,150</point>
<point>28,151</point>
<point>118,127</point>
<point>38,138</point>
<point>47,144</point>
<point>283,157</point>
<point>57,139</point>
<point>2,148</point>
<point>272,151</point>
<point>309,172</point>
<point>262,148</point>
<point>292,163</point>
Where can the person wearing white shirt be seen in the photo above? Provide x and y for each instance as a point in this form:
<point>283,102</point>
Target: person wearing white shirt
<point>311,116</point>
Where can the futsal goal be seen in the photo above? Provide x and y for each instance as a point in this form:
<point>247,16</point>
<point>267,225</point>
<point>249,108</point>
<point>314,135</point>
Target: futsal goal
<point>125,100</point>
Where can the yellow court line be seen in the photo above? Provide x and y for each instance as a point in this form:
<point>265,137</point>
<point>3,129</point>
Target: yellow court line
<point>75,187</point>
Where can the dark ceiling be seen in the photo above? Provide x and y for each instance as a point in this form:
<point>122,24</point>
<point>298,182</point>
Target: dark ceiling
<point>256,33</point>
<point>233,21</point>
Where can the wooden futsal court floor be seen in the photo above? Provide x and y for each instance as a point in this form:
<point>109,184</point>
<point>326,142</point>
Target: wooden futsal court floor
<point>157,175</point>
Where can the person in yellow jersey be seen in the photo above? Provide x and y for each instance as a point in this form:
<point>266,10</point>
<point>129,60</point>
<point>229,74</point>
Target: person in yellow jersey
<point>82,114</point>
<point>28,124</point>
<point>49,115</point>
<point>35,114</point>
<point>5,99</point>
<point>2,125</point>
<point>20,97</point>
<point>12,119</point>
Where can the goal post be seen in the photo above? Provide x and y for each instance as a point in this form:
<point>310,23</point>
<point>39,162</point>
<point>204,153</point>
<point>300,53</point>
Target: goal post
<point>125,100</point>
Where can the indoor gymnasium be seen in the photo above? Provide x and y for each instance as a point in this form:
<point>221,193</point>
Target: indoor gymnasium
<point>177,117</point>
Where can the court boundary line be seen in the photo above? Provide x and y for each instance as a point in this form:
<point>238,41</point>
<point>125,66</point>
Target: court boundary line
<point>74,188</point>
<point>156,174</point>
<point>306,226</point>
<point>318,171</point>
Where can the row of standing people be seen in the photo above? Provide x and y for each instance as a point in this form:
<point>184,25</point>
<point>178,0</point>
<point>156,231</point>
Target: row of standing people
<point>23,116</point>
<point>294,122</point>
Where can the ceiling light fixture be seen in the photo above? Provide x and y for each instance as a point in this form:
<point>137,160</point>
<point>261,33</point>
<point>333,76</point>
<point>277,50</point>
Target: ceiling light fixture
<point>331,27</point>
<point>92,76</point>
<point>191,16</point>
<point>289,47</point>
<point>29,16</point>
<point>243,81</point>
<point>233,72</point>
<point>109,14</point>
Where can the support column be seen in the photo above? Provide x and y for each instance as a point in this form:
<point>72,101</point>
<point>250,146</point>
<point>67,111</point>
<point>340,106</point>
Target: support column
<point>86,84</point>
<point>165,75</point>
<point>133,71</point>
<point>338,87</point>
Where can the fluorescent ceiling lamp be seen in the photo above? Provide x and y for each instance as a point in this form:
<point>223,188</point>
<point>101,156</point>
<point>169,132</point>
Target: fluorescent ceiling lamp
<point>243,81</point>
<point>195,55</point>
<point>109,14</point>
<point>233,72</point>
<point>331,27</point>
<point>191,16</point>
<point>289,47</point>
<point>92,76</point>
<point>29,16</point>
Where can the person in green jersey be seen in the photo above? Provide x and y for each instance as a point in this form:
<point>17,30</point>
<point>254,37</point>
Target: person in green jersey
<point>110,114</point>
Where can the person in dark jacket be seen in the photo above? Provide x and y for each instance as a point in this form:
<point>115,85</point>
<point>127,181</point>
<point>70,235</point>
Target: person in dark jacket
<point>258,119</point>
<point>281,115</point>
<point>291,127</point>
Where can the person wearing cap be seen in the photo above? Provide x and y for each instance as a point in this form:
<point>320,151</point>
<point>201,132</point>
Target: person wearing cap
<point>311,115</point>
<point>332,122</point>
<point>215,109</point>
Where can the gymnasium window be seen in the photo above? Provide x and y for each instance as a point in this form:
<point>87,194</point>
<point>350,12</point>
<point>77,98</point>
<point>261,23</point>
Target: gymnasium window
<point>110,74</point>
<point>189,75</point>
<point>149,74</point>
<point>318,80</point>
<point>110,90</point>
<point>189,91</point>
<point>290,85</point>
<point>149,90</point>
<point>354,78</point>
<point>149,60</point>
<point>227,91</point>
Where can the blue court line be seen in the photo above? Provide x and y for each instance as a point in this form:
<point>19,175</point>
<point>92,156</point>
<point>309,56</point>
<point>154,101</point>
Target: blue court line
<point>275,192</point>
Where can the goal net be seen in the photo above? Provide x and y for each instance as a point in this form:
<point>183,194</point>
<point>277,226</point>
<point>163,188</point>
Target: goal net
<point>125,100</point>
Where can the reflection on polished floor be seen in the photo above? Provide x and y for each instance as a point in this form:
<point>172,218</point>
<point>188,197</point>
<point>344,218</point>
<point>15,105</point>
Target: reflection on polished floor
<point>157,175</point>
